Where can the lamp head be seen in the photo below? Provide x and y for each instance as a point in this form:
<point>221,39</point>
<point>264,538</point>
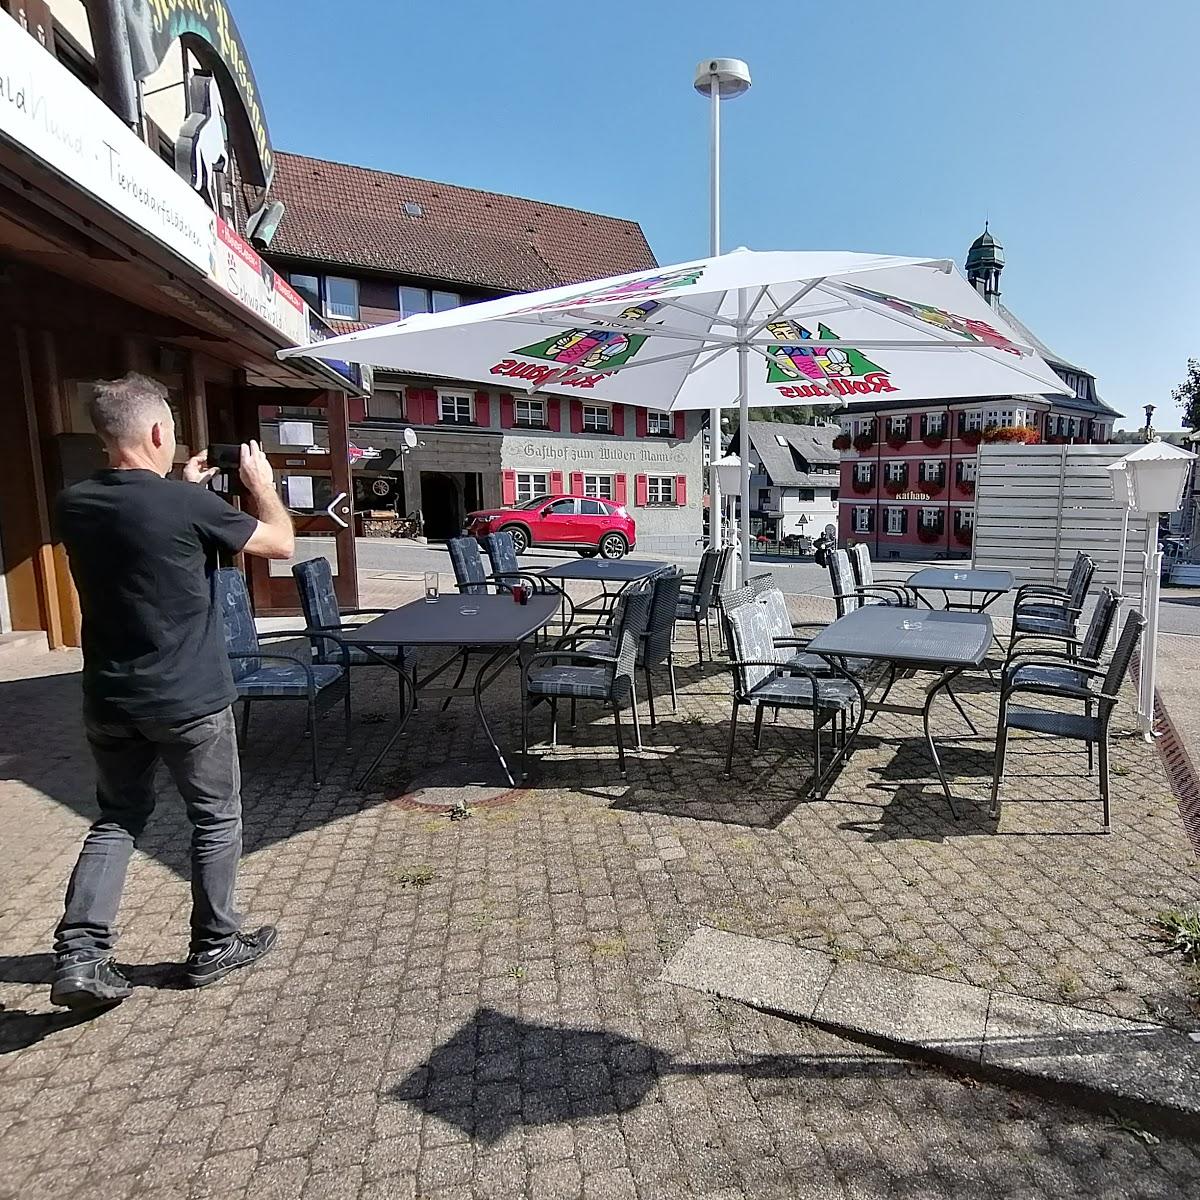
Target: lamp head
<point>732,77</point>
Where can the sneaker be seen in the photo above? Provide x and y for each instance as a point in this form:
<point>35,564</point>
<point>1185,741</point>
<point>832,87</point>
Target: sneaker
<point>84,980</point>
<point>240,951</point>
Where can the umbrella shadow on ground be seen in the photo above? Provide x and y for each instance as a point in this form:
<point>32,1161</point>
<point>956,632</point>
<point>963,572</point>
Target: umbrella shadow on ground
<point>498,1073</point>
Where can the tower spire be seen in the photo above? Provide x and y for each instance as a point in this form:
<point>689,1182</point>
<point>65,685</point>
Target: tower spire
<point>985,261</point>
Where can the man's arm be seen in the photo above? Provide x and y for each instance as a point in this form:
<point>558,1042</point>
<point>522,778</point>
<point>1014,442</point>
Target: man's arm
<point>274,536</point>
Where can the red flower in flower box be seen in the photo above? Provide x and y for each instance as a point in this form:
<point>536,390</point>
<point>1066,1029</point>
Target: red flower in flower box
<point>896,440</point>
<point>862,486</point>
<point>963,537</point>
<point>895,486</point>
<point>934,440</point>
<point>928,535</point>
<point>843,441</point>
<point>966,487</point>
<point>863,442</point>
<point>972,437</point>
<point>930,487</point>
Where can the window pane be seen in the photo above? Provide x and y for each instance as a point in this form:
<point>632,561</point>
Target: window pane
<point>341,298</point>
<point>445,300</point>
<point>590,508</point>
<point>530,485</point>
<point>413,300</point>
<point>309,286</point>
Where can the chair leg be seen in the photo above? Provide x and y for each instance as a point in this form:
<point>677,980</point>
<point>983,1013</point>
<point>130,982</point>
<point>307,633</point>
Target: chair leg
<point>312,733</point>
<point>758,720</point>
<point>732,734</point>
<point>346,711</point>
<point>1104,791</point>
<point>633,703</point>
<point>699,645</point>
<point>650,695</point>
<point>671,674</point>
<point>1001,747</point>
<point>1087,710</point>
<point>708,635</point>
<point>525,736</point>
<point>573,722</point>
<point>245,721</point>
<point>554,722</point>
<point>620,738</point>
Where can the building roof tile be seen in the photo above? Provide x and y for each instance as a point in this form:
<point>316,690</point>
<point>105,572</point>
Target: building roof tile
<point>356,217</point>
<point>812,444</point>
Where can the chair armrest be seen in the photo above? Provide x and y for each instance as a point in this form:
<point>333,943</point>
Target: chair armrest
<point>592,631</point>
<point>1055,658</point>
<point>366,612</point>
<point>900,590</point>
<point>801,642</point>
<point>553,656</point>
<point>1041,589</point>
<point>294,659</point>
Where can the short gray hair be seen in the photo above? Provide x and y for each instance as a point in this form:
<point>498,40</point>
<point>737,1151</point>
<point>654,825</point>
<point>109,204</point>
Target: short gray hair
<point>123,410</point>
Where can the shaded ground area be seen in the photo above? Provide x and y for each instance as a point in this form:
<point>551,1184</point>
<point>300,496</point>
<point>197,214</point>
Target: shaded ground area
<point>472,1008</point>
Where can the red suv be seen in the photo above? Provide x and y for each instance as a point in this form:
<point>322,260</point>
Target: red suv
<point>581,523</point>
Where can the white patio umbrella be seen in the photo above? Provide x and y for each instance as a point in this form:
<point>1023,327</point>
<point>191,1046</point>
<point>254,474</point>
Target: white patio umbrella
<point>768,328</point>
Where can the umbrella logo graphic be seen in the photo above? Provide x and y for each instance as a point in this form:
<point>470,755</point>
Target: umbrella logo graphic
<point>798,357</point>
<point>631,289</point>
<point>593,349</point>
<point>971,328</point>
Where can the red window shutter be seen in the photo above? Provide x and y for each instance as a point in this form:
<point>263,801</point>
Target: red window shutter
<point>618,419</point>
<point>356,409</point>
<point>619,489</point>
<point>680,489</point>
<point>639,422</point>
<point>680,431</point>
<point>553,414</point>
<point>507,416</point>
<point>508,487</point>
<point>641,490</point>
<point>483,409</point>
<point>422,406</point>
<point>577,483</point>
<point>576,416</point>
<point>556,483</point>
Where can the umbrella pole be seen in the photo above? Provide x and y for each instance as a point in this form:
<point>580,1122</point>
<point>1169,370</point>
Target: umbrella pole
<point>743,353</point>
<point>716,537</point>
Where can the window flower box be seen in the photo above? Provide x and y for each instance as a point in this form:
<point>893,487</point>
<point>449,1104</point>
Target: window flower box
<point>843,441</point>
<point>966,487</point>
<point>863,442</point>
<point>897,439</point>
<point>934,440</point>
<point>972,437</point>
<point>929,534</point>
<point>963,537</point>
<point>1013,434</point>
<point>931,487</point>
<point>895,486</point>
<point>862,486</point>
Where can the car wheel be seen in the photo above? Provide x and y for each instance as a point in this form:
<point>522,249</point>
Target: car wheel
<point>612,545</point>
<point>520,537</point>
<point>590,552</point>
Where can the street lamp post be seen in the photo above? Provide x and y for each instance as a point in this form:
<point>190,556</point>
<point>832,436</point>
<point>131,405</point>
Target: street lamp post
<point>1148,431</point>
<point>718,79</point>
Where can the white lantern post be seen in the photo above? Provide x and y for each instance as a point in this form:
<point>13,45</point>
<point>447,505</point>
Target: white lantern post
<point>728,473</point>
<point>1155,476</point>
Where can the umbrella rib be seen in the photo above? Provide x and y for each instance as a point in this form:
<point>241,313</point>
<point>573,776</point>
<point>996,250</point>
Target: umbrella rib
<point>713,355</point>
<point>662,358</point>
<point>715,318</point>
<point>781,308</point>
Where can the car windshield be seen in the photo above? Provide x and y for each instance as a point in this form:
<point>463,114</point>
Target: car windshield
<point>534,501</point>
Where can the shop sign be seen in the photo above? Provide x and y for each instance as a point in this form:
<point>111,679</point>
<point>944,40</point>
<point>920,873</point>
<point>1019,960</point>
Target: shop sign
<point>208,31</point>
<point>243,273</point>
<point>50,113</point>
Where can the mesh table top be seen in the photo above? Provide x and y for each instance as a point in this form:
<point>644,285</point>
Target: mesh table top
<point>458,621</point>
<point>610,570</point>
<point>947,579</point>
<point>908,636</point>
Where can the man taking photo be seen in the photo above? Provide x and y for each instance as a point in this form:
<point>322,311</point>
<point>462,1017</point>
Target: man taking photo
<point>156,680</point>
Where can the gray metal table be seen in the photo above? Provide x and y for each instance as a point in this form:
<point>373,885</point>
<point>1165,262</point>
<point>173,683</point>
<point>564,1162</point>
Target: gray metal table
<point>946,643</point>
<point>467,623</point>
<point>604,571</point>
<point>991,583</point>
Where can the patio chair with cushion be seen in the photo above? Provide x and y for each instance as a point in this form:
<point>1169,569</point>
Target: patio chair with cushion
<point>1047,608</point>
<point>894,591</point>
<point>1087,650</point>
<point>605,675</point>
<point>763,678</point>
<point>507,573</point>
<point>847,594</point>
<point>1098,690</point>
<point>696,597</point>
<point>323,613</point>
<point>469,571</point>
<point>294,678</point>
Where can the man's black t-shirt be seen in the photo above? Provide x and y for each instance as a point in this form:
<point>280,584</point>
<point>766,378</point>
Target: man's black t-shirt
<point>143,550</point>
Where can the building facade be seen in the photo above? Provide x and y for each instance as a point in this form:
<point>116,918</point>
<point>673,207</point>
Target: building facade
<point>120,250</point>
<point>908,468</point>
<point>794,479</point>
<point>369,247</point>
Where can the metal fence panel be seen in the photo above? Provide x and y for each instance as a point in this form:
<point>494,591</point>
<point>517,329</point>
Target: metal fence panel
<point>1036,506</point>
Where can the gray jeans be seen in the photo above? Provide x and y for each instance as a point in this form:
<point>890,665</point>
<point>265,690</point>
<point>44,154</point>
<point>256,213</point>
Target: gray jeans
<point>202,757</point>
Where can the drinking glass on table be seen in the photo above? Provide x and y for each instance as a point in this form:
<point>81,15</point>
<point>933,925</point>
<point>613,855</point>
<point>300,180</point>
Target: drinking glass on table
<point>431,586</point>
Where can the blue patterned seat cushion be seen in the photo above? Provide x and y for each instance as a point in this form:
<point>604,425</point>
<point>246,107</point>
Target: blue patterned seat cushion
<point>1045,675</point>
<point>285,681</point>
<point>359,657</point>
<point>797,691</point>
<point>590,683</point>
<point>599,646</point>
<point>688,608</point>
<point>1035,609</point>
<point>1058,724</point>
<point>1024,623</point>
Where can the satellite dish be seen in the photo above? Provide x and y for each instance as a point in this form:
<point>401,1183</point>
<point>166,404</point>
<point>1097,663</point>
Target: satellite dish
<point>410,437</point>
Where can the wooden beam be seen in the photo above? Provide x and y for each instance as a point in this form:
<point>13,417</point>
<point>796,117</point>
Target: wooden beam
<point>346,580</point>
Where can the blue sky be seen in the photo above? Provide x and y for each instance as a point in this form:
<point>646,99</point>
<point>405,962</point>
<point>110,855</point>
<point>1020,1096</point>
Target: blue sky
<point>871,126</point>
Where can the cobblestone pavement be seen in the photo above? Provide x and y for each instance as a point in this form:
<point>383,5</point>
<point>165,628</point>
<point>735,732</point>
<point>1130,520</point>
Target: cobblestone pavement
<point>472,1008</point>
